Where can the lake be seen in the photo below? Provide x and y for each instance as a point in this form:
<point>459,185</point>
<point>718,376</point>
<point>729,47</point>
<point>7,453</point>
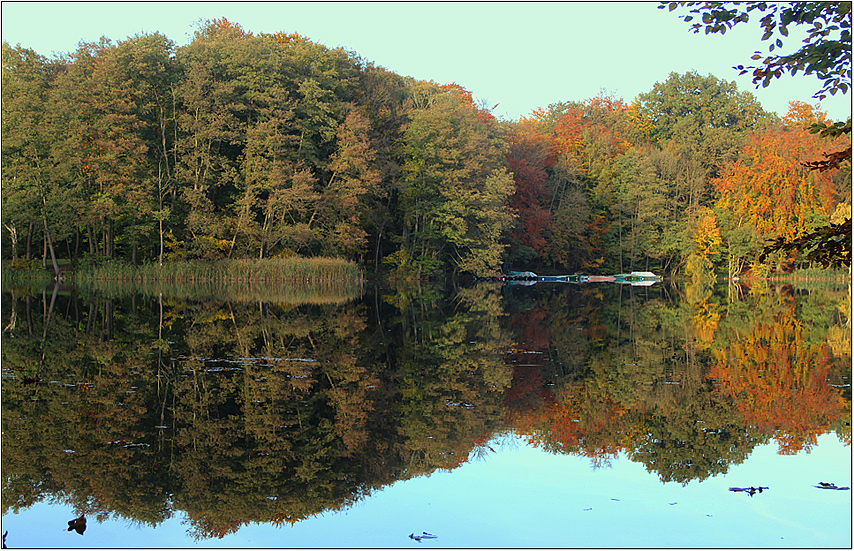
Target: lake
<point>679,414</point>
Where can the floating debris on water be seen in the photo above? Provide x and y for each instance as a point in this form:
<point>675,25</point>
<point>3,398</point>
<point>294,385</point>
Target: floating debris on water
<point>129,445</point>
<point>423,536</point>
<point>830,486</point>
<point>78,525</point>
<point>750,490</point>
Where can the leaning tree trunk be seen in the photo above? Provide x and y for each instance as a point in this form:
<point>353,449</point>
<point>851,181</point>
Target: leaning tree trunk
<point>50,247</point>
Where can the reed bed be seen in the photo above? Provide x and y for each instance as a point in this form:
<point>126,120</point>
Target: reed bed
<point>813,274</point>
<point>330,292</point>
<point>22,272</point>
<point>15,277</point>
<point>299,271</point>
<point>814,279</point>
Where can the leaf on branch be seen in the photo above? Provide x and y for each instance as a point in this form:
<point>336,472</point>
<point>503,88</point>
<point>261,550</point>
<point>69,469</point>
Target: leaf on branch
<point>831,160</point>
<point>831,131</point>
<point>829,245</point>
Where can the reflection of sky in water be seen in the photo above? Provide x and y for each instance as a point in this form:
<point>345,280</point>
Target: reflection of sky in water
<point>520,496</point>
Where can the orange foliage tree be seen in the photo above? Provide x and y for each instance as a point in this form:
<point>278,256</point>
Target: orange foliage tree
<point>769,188</point>
<point>568,138</point>
<point>224,25</point>
<point>483,114</point>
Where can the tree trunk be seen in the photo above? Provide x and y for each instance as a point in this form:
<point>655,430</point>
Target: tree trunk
<point>160,254</point>
<point>49,313</point>
<point>49,244</point>
<point>92,243</point>
<point>377,250</point>
<point>29,316</point>
<point>109,239</point>
<point>90,319</point>
<point>13,236</point>
<point>621,241</point>
<point>30,242</point>
<point>108,320</point>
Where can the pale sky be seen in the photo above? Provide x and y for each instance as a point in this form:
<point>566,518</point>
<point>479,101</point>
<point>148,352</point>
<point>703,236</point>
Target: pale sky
<point>523,497</point>
<point>519,55</point>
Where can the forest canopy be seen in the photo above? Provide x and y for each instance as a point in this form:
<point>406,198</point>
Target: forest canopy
<point>245,145</point>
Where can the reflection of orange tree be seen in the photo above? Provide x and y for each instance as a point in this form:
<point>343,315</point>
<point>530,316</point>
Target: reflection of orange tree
<point>527,393</point>
<point>705,322</point>
<point>777,381</point>
<point>706,316</point>
<point>689,436</point>
<point>583,421</point>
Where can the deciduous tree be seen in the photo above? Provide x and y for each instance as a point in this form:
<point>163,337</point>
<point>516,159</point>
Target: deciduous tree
<point>769,188</point>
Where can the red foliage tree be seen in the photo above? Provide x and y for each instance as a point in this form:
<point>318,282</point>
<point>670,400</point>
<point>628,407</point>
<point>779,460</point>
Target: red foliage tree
<point>529,156</point>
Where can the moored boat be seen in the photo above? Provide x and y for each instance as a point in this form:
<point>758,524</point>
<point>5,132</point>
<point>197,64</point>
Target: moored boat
<point>529,278</point>
<point>596,278</point>
<point>637,276</point>
<point>522,276</point>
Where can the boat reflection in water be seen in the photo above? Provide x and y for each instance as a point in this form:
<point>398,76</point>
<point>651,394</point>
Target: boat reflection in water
<point>529,278</point>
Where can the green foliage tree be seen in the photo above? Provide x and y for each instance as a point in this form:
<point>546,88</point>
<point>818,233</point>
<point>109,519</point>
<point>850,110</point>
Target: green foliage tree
<point>31,196</point>
<point>706,117</point>
<point>700,124</point>
<point>148,65</point>
<point>97,141</point>
<point>454,192</point>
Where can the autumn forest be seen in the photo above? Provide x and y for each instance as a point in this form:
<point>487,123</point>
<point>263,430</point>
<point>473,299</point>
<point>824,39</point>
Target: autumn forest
<point>240,400</point>
<point>255,146</point>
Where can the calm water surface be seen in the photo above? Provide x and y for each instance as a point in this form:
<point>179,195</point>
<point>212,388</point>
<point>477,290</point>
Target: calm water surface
<point>550,415</point>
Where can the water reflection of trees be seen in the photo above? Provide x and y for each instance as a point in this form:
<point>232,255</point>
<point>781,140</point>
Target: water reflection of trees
<point>237,412</point>
<point>273,411</point>
<point>645,375</point>
<point>776,377</point>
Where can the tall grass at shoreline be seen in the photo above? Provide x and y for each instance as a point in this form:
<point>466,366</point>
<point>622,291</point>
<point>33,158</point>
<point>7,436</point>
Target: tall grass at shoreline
<point>300,271</point>
<point>813,274</point>
<point>22,271</point>
<point>330,292</point>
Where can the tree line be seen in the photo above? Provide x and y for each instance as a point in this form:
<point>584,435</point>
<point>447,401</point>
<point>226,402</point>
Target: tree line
<point>244,145</point>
